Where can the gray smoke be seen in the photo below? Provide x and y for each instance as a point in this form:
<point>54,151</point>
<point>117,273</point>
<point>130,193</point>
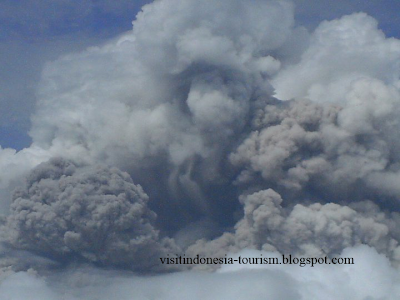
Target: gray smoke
<point>245,131</point>
<point>167,101</point>
<point>326,161</point>
<point>313,230</point>
<point>323,151</point>
<point>65,211</point>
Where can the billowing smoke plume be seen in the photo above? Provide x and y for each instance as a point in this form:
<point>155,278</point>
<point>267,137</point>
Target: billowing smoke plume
<point>244,130</point>
<point>314,230</point>
<point>325,151</point>
<point>96,213</point>
<point>167,101</point>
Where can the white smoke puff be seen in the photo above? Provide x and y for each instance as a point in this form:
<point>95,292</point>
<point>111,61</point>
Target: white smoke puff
<point>168,111</point>
<point>15,166</point>
<point>350,62</point>
<point>340,52</point>
<point>312,230</point>
<point>95,213</point>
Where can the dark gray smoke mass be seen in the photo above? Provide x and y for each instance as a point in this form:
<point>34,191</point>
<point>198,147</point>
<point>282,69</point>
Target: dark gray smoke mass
<point>92,212</point>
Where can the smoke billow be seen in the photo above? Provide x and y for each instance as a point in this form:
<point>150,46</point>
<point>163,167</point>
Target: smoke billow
<point>93,212</point>
<point>322,150</point>
<point>306,230</point>
<point>245,131</point>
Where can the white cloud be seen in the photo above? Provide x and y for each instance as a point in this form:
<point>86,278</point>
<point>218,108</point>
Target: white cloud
<point>341,51</point>
<point>371,277</point>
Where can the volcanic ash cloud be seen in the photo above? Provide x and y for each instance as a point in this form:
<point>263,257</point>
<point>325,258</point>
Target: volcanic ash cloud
<point>65,211</point>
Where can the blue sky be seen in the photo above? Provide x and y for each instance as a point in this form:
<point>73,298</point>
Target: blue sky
<point>34,32</point>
